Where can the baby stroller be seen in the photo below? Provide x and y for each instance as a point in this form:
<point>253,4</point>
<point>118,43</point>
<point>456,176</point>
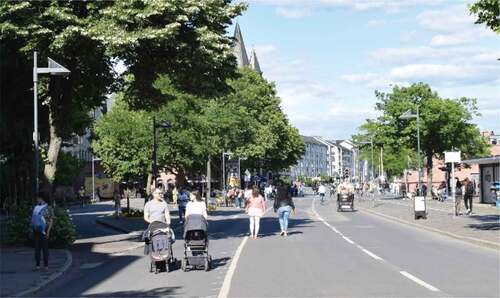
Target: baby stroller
<point>345,201</point>
<point>196,244</point>
<point>158,240</point>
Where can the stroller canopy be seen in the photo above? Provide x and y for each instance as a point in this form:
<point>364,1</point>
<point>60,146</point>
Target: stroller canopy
<point>195,222</point>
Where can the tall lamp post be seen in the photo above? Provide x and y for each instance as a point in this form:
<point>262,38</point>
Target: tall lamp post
<point>371,145</point>
<point>93,177</point>
<point>164,125</point>
<point>406,116</point>
<point>54,69</point>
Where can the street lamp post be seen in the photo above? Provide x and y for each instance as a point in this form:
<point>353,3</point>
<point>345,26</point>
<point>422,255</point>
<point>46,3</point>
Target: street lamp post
<point>408,115</point>
<point>371,145</point>
<point>164,125</point>
<point>53,69</point>
<point>93,177</point>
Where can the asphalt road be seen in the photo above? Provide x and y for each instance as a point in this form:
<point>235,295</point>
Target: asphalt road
<point>329,254</point>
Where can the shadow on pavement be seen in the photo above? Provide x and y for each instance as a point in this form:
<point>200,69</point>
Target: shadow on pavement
<point>488,222</point>
<point>219,262</point>
<point>158,292</point>
<point>269,226</point>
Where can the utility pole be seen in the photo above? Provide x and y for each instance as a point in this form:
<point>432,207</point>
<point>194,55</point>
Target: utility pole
<point>209,180</point>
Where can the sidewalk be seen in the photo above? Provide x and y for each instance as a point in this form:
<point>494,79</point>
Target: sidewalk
<point>18,274</point>
<point>480,228</point>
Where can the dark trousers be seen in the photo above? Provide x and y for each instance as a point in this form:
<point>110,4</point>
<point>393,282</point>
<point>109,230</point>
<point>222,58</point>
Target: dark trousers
<point>41,246</point>
<point>468,202</point>
<point>182,212</point>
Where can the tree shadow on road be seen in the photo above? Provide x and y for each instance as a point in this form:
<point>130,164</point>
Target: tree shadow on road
<point>158,292</point>
<point>490,222</point>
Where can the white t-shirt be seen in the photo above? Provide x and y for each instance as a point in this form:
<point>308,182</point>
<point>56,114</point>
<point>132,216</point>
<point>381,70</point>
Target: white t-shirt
<point>322,189</point>
<point>196,208</point>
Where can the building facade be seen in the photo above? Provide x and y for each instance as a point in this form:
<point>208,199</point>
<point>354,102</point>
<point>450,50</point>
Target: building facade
<point>333,157</point>
<point>314,162</point>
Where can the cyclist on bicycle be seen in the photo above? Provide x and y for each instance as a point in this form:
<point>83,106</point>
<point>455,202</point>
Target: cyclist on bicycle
<point>322,192</point>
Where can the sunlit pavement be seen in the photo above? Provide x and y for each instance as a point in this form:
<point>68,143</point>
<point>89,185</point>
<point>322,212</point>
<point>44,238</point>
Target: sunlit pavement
<point>329,254</point>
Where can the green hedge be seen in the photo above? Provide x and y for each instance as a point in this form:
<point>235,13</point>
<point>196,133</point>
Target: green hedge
<point>18,228</point>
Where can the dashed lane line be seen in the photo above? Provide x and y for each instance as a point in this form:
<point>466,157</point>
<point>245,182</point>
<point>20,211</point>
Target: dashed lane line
<point>419,281</point>
<point>371,254</point>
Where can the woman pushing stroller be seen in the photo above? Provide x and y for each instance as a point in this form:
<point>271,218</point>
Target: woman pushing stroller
<point>159,237</point>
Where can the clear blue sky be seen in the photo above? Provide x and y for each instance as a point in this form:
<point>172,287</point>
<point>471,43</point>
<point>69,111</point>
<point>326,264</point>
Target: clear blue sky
<point>328,56</point>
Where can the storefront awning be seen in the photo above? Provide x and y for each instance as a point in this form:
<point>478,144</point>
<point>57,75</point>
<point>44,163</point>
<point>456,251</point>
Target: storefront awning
<point>483,161</point>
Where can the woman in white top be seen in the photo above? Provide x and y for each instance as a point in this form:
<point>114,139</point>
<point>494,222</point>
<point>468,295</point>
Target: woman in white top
<point>196,205</point>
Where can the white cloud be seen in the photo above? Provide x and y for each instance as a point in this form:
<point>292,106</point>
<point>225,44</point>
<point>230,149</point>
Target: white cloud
<point>451,19</point>
<point>377,22</point>
<point>389,6</point>
<point>450,39</point>
<point>292,13</point>
<point>408,36</point>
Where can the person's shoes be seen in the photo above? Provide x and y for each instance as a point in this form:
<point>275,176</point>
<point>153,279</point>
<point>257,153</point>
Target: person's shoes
<point>46,268</point>
<point>37,268</point>
<point>282,233</point>
<point>181,222</point>
<point>286,234</point>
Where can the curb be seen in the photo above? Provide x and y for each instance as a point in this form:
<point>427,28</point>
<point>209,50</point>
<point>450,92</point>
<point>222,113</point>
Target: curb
<point>54,276</point>
<point>478,242</point>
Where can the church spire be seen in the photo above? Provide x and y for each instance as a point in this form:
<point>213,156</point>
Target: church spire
<point>239,48</point>
<point>254,62</point>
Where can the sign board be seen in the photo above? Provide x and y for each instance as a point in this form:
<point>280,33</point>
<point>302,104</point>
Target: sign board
<point>419,204</point>
<point>248,176</point>
<point>452,156</point>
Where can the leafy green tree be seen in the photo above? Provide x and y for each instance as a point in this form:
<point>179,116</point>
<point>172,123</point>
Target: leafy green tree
<point>68,169</point>
<point>445,124</point>
<point>124,142</point>
<point>185,40</point>
<point>59,29</point>
<point>272,142</point>
<point>395,158</point>
<point>487,12</point>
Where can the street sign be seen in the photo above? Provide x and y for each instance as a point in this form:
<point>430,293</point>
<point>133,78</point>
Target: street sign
<point>452,156</point>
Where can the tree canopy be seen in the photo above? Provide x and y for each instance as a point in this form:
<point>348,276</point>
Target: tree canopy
<point>183,39</point>
<point>248,121</point>
<point>488,13</point>
<point>445,124</point>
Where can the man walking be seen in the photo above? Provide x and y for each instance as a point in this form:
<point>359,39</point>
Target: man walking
<point>41,223</point>
<point>182,200</point>
<point>468,194</point>
<point>322,192</point>
<point>157,208</point>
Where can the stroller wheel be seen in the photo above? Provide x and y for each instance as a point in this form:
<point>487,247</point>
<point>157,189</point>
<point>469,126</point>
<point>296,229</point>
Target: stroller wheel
<point>151,267</point>
<point>207,264</point>
<point>184,265</point>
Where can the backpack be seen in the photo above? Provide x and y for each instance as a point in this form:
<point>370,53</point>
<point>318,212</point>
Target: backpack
<point>38,222</point>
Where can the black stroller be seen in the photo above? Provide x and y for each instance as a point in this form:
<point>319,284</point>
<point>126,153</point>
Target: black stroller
<point>196,244</point>
<point>345,201</point>
<point>158,240</point>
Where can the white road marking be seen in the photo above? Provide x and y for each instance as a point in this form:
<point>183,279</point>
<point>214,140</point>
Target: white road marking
<point>366,251</point>
<point>226,285</point>
<point>419,281</point>
<point>91,265</point>
<point>404,273</point>
<point>348,240</point>
<point>343,236</point>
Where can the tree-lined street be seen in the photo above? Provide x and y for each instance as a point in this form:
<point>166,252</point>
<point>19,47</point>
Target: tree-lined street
<point>327,254</point>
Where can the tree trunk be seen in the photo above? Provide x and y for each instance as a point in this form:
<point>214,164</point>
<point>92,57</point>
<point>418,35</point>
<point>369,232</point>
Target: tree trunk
<point>180,180</point>
<point>429,175</point>
<point>55,143</point>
